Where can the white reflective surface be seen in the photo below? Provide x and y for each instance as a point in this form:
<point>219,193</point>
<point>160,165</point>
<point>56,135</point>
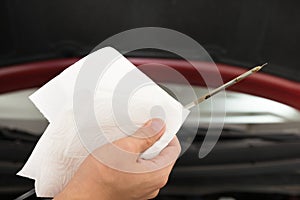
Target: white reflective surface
<point>243,111</point>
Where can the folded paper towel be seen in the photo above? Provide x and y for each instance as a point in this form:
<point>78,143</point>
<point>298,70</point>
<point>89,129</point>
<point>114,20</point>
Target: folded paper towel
<point>63,146</point>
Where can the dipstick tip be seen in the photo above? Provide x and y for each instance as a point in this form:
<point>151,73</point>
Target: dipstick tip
<point>255,69</point>
<point>264,65</point>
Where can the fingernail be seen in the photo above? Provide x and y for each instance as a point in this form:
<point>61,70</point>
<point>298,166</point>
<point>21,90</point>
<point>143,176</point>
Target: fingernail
<point>157,124</point>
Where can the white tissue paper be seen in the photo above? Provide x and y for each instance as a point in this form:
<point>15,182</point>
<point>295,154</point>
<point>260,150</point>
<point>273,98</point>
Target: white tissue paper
<point>61,150</point>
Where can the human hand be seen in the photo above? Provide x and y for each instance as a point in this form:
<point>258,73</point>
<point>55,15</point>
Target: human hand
<point>138,178</point>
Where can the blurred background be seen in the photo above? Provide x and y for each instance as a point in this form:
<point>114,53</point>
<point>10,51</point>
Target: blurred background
<point>258,154</point>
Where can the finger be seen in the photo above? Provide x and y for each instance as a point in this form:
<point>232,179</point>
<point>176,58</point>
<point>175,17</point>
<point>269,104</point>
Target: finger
<point>171,152</point>
<point>166,158</point>
<point>143,138</point>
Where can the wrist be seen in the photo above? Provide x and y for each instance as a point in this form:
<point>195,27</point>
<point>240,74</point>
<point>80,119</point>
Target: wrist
<point>82,189</point>
<point>83,185</point>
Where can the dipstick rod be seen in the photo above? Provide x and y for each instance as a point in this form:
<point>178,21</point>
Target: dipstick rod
<point>226,85</point>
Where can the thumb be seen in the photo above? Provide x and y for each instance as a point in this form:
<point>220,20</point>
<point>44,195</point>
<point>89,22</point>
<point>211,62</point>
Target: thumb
<point>144,137</point>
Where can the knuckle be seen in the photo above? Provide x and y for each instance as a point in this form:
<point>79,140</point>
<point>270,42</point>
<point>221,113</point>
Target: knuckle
<point>179,148</point>
<point>127,146</point>
<point>145,132</point>
<point>163,182</point>
<point>148,141</point>
<point>153,194</point>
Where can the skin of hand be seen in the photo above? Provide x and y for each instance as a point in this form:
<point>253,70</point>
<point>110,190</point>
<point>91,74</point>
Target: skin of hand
<point>139,179</point>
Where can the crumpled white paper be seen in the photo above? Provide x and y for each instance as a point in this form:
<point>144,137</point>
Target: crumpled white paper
<point>62,148</point>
